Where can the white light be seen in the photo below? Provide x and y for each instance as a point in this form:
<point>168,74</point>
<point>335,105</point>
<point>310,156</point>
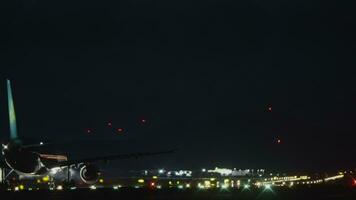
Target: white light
<point>93,187</point>
<point>16,188</point>
<point>224,186</point>
<point>246,186</point>
<point>115,187</point>
<point>180,186</point>
<point>41,143</point>
<point>268,187</point>
<point>4,146</point>
<point>203,170</point>
<point>73,188</point>
<point>59,187</point>
<point>161,171</point>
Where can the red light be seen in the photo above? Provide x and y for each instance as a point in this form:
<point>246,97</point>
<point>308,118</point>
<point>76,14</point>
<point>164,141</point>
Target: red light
<point>120,129</point>
<point>152,184</point>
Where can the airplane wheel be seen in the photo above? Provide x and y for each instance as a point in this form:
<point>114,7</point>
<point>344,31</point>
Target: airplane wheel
<point>52,186</point>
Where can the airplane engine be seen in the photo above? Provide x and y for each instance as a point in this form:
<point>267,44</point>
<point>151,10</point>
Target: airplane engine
<point>89,173</point>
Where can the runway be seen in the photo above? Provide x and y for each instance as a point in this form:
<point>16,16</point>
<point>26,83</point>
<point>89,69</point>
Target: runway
<point>324,192</point>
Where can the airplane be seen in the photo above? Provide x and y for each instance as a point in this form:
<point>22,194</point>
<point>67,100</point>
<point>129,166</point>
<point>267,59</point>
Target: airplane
<point>25,161</point>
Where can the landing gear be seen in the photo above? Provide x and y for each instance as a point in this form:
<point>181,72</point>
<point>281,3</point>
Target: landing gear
<point>69,182</point>
<point>52,184</point>
<point>8,174</point>
<point>5,182</point>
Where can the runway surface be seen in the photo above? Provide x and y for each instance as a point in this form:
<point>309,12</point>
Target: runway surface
<point>337,193</point>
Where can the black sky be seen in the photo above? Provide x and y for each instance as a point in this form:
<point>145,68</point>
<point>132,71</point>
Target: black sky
<point>202,73</point>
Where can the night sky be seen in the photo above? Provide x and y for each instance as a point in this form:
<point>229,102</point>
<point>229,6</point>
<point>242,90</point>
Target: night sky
<point>203,75</point>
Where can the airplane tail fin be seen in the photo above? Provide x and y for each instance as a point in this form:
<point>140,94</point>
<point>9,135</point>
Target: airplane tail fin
<point>12,115</point>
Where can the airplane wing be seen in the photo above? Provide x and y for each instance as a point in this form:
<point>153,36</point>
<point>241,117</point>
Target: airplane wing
<point>111,157</point>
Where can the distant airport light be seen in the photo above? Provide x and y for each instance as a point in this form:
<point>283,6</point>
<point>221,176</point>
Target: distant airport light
<point>278,141</point>
<point>117,187</point>
<point>143,120</point>
<point>22,187</point>
<point>59,187</point>
<point>101,180</point>
<point>270,108</point>
<point>246,186</point>
<point>120,129</point>
<point>93,187</point>
<point>4,146</point>
<point>109,124</point>
<point>153,184</point>
<point>88,131</point>
<point>224,186</point>
<point>140,180</point>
